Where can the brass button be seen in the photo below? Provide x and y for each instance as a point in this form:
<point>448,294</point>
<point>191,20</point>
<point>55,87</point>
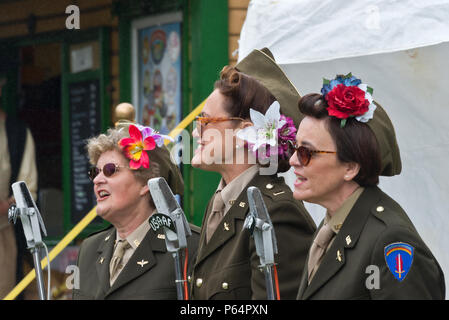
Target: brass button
<point>348,240</point>
<point>199,282</point>
<point>242,204</point>
<point>189,279</point>
<point>225,285</point>
<point>269,186</point>
<point>339,255</point>
<point>226,226</point>
<point>380,209</point>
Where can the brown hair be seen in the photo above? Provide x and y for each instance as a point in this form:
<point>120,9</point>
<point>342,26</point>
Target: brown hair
<point>243,93</point>
<point>355,142</point>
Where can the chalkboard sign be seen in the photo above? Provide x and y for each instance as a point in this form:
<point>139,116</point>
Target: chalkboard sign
<point>85,122</point>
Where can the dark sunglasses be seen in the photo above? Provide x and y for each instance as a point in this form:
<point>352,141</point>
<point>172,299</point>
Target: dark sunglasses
<point>304,154</point>
<point>108,170</point>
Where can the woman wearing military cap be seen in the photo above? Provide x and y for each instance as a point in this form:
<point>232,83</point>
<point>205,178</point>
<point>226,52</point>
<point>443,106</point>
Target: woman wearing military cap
<point>227,266</point>
<point>129,260</point>
<point>366,247</point>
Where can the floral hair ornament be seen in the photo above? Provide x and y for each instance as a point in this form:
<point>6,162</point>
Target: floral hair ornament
<point>141,139</point>
<point>269,130</point>
<point>347,97</point>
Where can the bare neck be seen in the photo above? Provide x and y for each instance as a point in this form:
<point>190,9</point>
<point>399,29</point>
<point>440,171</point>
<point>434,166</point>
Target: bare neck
<point>336,201</point>
<point>132,221</point>
<point>232,171</point>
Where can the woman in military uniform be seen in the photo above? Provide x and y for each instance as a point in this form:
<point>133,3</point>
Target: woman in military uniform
<point>366,246</point>
<point>129,260</point>
<point>227,263</point>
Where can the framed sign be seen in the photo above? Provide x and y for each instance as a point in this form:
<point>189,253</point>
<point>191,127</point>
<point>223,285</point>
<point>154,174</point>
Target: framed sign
<point>85,122</point>
<point>156,71</point>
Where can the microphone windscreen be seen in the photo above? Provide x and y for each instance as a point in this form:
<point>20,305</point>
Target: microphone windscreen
<point>26,195</point>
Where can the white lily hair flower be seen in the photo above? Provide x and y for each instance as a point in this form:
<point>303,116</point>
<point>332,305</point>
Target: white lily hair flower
<point>265,127</point>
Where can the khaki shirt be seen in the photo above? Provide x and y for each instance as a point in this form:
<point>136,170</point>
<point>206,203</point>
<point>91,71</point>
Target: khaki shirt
<point>27,172</point>
<point>134,239</point>
<point>338,218</point>
<point>232,190</point>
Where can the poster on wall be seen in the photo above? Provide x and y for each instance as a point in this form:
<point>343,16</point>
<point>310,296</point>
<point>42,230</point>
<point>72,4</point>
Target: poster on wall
<point>157,71</point>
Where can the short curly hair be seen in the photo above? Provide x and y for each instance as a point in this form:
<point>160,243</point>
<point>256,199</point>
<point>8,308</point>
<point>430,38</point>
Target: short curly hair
<point>161,162</point>
<point>102,143</point>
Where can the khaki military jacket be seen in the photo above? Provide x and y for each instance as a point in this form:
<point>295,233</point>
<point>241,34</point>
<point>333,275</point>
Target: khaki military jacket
<point>149,273</point>
<point>355,265</point>
<point>227,266</point>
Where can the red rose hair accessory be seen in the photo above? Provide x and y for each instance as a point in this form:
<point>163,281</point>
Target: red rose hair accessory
<point>134,148</point>
<point>346,97</point>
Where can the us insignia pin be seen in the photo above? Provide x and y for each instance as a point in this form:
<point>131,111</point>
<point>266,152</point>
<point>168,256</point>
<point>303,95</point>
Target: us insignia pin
<point>399,258</point>
<point>142,263</point>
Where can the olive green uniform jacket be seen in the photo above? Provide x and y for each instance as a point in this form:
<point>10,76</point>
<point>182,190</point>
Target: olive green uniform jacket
<point>227,266</point>
<point>355,263</point>
<point>154,280</point>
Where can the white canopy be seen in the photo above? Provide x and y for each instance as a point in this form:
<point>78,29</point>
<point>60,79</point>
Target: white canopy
<point>301,31</point>
<point>400,49</point>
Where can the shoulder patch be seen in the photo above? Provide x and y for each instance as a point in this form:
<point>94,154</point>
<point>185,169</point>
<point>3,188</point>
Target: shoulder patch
<point>399,259</point>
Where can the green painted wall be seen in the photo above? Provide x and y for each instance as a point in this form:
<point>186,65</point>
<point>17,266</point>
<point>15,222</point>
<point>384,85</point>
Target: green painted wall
<point>209,53</point>
<point>205,52</point>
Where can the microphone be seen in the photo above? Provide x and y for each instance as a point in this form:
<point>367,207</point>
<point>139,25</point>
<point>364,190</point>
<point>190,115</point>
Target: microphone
<point>259,223</point>
<point>171,219</point>
<point>29,214</point>
<point>167,205</point>
<point>32,223</point>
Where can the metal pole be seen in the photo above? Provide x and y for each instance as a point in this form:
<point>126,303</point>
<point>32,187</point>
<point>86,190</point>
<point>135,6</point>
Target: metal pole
<point>39,276</point>
<point>269,282</point>
<point>179,281</point>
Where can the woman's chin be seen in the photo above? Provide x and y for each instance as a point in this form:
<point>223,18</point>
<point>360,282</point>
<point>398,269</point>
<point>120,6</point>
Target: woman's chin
<point>102,211</point>
<point>299,195</point>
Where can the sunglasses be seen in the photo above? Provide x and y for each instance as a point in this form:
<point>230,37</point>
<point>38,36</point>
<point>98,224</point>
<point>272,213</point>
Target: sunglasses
<point>108,170</point>
<point>204,121</point>
<point>304,154</point>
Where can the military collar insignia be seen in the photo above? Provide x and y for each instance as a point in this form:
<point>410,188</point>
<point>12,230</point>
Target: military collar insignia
<point>399,259</point>
<point>142,263</point>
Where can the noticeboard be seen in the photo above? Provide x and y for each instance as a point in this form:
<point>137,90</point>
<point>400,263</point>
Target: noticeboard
<point>85,122</point>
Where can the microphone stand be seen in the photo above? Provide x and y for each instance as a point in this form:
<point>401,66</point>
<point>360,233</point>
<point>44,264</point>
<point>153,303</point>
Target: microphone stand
<point>32,223</point>
<point>259,223</point>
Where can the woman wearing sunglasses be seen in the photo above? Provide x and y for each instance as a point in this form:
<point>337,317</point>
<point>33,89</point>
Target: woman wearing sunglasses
<point>227,266</point>
<point>129,260</point>
<point>366,247</point>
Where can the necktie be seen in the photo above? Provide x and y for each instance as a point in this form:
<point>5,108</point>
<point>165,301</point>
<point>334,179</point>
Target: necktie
<point>215,216</point>
<point>116,260</point>
<point>318,248</point>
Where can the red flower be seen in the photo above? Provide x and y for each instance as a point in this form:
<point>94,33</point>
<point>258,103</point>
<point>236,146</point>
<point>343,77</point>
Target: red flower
<point>134,148</point>
<point>345,102</point>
